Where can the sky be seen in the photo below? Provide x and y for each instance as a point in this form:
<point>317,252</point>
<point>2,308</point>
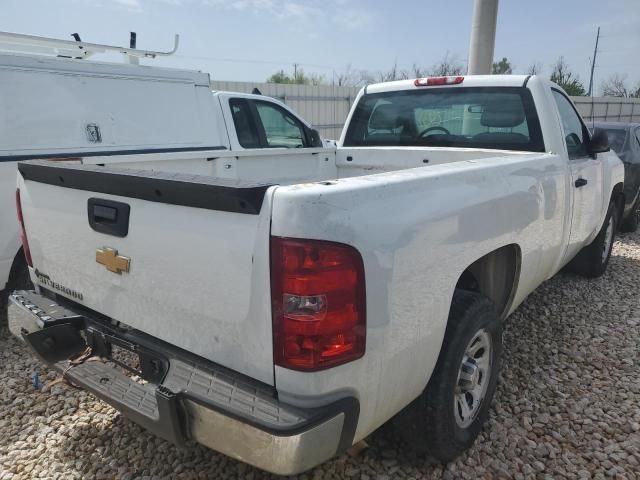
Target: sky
<point>248,40</point>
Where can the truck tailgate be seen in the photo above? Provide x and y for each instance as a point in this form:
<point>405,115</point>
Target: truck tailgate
<point>198,253</point>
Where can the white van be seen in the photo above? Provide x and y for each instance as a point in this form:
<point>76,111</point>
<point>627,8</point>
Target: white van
<point>76,110</point>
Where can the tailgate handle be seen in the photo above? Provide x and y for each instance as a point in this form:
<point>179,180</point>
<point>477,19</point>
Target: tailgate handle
<point>109,217</point>
<point>104,214</point>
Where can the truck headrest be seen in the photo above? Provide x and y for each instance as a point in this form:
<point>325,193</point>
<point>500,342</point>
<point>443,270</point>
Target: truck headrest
<point>385,117</point>
<point>503,115</point>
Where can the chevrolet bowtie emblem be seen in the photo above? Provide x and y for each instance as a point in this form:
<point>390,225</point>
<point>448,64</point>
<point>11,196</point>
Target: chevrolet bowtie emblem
<point>109,258</point>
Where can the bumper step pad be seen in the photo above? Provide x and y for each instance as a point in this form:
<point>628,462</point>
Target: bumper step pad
<point>106,381</point>
<point>154,407</point>
<point>233,395</point>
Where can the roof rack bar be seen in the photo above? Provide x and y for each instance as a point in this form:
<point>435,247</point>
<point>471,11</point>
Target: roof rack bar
<point>17,42</point>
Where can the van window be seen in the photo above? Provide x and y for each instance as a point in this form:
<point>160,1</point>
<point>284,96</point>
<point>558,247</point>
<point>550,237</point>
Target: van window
<point>244,124</point>
<point>280,127</point>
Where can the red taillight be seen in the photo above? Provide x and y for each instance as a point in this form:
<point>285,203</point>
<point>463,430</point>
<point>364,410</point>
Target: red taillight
<point>318,302</point>
<point>23,232</point>
<point>433,81</point>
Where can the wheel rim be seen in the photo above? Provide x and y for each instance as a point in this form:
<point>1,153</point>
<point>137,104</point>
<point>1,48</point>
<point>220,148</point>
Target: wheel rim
<point>608,238</point>
<point>473,379</point>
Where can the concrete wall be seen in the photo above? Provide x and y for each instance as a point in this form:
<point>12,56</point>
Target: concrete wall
<point>326,107</point>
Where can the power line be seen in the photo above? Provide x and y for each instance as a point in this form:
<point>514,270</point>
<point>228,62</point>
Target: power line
<point>264,62</point>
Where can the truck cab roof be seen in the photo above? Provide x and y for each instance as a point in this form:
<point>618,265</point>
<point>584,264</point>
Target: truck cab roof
<point>467,81</point>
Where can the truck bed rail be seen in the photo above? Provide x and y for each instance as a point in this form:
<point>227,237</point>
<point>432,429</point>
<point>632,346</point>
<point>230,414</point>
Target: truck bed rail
<point>199,191</point>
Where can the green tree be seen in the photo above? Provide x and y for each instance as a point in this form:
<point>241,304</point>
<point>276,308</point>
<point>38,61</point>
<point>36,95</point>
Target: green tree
<point>298,78</point>
<point>564,77</point>
<point>502,67</point>
<point>280,77</point>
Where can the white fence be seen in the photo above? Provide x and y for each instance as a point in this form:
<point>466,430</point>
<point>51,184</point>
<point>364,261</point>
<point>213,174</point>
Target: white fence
<point>326,107</point>
<point>608,109</point>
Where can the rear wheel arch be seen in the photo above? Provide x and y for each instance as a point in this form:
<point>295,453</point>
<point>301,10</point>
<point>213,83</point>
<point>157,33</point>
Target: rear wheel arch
<point>19,273</point>
<point>495,275</point>
<point>618,199</point>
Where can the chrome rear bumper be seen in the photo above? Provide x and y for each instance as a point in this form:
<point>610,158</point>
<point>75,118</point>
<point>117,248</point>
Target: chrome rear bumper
<point>186,397</point>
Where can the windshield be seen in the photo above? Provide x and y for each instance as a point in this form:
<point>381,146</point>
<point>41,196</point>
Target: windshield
<point>479,117</point>
<point>617,136</point>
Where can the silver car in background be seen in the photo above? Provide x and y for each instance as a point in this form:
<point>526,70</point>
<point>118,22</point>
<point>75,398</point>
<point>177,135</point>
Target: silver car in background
<point>624,139</point>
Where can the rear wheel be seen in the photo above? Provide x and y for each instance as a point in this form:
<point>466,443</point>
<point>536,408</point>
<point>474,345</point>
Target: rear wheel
<point>593,259</point>
<point>448,416</point>
<point>630,224</point>
<point>18,280</point>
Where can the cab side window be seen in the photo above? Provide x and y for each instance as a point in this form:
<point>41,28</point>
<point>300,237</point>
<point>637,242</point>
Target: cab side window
<point>575,134</point>
<point>243,120</point>
<point>281,129</point>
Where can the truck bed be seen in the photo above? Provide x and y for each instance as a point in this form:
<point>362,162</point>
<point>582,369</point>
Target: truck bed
<point>203,283</point>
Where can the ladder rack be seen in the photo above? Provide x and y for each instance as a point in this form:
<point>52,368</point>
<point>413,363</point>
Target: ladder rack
<point>19,43</point>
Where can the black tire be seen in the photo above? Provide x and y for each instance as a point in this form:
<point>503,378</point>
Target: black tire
<point>630,224</point>
<point>19,277</point>
<point>429,423</point>
<point>18,280</point>
<point>592,260</point>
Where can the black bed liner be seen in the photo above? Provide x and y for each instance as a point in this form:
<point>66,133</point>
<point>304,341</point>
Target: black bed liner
<point>198,191</point>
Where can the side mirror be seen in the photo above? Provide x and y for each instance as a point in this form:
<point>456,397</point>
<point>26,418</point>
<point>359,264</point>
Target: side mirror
<point>599,142</point>
<point>314,138</point>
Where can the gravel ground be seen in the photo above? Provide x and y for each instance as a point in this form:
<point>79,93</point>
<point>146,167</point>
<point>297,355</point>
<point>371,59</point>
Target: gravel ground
<point>568,405</point>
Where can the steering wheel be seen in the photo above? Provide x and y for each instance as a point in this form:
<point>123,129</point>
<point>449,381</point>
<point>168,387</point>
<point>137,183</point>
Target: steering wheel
<point>431,129</point>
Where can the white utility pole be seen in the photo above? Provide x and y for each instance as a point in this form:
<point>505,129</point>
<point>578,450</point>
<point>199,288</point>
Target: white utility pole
<point>483,37</point>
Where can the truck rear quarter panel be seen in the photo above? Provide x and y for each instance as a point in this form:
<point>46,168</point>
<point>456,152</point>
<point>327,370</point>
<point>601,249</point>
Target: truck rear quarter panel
<point>417,231</point>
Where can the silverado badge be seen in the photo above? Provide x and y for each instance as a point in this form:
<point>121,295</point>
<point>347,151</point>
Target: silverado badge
<point>109,258</point>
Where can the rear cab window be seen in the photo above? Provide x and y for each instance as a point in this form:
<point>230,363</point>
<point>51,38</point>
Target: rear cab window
<point>501,118</point>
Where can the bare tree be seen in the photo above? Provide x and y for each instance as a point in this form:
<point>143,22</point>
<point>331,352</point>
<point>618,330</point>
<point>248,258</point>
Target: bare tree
<point>316,79</point>
<point>365,77</point>
<point>393,74</point>
<point>534,69</point>
<point>417,71</point>
<point>564,77</point>
<point>347,77</point>
<point>616,86</point>
<point>448,65</point>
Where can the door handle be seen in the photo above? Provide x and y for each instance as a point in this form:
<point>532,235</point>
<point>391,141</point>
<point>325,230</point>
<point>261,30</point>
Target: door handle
<point>581,182</point>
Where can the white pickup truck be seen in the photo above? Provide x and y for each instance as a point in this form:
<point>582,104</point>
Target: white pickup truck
<point>280,310</point>
<point>70,109</point>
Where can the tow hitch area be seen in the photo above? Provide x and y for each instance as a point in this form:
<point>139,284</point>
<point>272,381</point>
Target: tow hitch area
<point>60,343</point>
<point>177,395</point>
